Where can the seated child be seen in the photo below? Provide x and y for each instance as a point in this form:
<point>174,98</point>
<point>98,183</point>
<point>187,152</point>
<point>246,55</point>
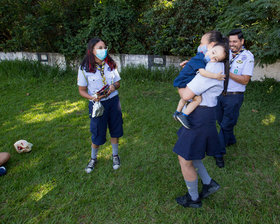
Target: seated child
<point>197,64</point>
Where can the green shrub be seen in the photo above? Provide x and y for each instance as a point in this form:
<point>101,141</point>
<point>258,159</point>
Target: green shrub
<point>162,27</point>
<point>176,27</point>
<point>26,69</point>
<point>140,73</point>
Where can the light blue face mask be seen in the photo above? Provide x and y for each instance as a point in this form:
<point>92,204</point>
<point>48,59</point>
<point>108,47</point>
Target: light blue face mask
<point>207,59</point>
<point>101,54</point>
<point>202,49</point>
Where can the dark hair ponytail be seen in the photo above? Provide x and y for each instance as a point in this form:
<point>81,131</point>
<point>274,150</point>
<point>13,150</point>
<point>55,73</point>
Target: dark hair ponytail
<point>214,36</point>
<point>89,63</point>
<point>226,64</point>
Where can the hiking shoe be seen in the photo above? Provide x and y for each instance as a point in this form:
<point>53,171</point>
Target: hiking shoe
<point>116,162</point>
<point>3,171</point>
<point>209,189</point>
<point>184,120</point>
<point>176,113</point>
<point>91,165</point>
<point>187,201</point>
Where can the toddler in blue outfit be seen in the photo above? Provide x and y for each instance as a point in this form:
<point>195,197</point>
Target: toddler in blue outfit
<point>196,64</point>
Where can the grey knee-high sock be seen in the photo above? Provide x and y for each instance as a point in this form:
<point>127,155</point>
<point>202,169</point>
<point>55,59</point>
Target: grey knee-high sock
<point>202,172</point>
<point>192,189</point>
<point>94,152</point>
<point>115,148</point>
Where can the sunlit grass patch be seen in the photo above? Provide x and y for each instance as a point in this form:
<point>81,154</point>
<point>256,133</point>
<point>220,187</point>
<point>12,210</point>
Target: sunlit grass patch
<point>269,119</point>
<point>49,111</point>
<point>49,185</point>
<point>41,190</point>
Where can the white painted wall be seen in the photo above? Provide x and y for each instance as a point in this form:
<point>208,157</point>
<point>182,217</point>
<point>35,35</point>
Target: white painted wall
<point>267,71</point>
<point>123,60</point>
<point>53,59</point>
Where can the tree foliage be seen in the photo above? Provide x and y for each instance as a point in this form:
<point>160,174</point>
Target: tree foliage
<point>259,20</point>
<point>175,27</point>
<point>172,27</point>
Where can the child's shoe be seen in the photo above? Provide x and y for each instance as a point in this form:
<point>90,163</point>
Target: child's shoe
<point>184,120</point>
<point>175,115</point>
<point>3,171</point>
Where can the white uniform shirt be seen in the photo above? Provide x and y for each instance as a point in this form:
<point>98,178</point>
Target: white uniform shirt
<point>243,64</point>
<point>94,83</point>
<point>208,88</point>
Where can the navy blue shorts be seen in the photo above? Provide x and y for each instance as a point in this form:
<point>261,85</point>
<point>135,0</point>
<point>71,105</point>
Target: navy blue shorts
<point>192,144</point>
<point>112,118</point>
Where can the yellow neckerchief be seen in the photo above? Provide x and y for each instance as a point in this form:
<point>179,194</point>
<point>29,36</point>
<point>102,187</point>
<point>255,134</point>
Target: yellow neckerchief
<point>101,69</point>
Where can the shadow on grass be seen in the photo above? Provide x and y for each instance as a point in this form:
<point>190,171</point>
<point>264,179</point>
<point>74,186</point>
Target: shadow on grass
<point>49,183</point>
<point>55,119</point>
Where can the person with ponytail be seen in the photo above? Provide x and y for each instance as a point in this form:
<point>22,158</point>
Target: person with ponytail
<point>98,81</point>
<point>202,139</point>
<point>196,64</point>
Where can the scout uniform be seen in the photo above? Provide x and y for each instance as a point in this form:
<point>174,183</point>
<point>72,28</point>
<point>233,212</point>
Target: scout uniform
<point>112,115</point>
<point>192,144</point>
<point>229,105</point>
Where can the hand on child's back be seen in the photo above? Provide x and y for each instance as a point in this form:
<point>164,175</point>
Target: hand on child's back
<point>183,63</point>
<point>220,76</point>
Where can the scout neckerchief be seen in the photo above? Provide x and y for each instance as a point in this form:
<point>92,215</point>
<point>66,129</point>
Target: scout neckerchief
<point>234,57</point>
<point>101,69</point>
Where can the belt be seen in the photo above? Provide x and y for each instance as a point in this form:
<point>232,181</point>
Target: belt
<point>233,93</point>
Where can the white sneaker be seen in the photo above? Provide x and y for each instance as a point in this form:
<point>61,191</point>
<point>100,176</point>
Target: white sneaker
<point>91,165</point>
<point>116,162</point>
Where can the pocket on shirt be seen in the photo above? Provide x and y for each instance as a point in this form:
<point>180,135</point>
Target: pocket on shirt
<point>95,83</point>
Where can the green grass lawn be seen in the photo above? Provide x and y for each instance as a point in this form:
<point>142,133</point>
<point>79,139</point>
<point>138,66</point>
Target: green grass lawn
<point>48,185</point>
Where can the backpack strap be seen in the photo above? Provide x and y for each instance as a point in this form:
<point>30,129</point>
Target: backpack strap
<point>84,76</point>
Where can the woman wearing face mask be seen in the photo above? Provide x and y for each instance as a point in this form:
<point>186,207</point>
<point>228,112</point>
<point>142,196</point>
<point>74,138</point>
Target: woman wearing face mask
<point>195,64</point>
<point>202,138</point>
<point>98,72</point>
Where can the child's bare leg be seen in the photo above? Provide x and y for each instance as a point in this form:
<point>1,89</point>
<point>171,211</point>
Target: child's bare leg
<point>181,104</point>
<point>192,105</point>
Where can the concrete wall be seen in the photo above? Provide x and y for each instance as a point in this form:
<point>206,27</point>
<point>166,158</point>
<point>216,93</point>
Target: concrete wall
<point>269,71</point>
<point>123,60</point>
<point>148,61</point>
<point>53,59</point>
